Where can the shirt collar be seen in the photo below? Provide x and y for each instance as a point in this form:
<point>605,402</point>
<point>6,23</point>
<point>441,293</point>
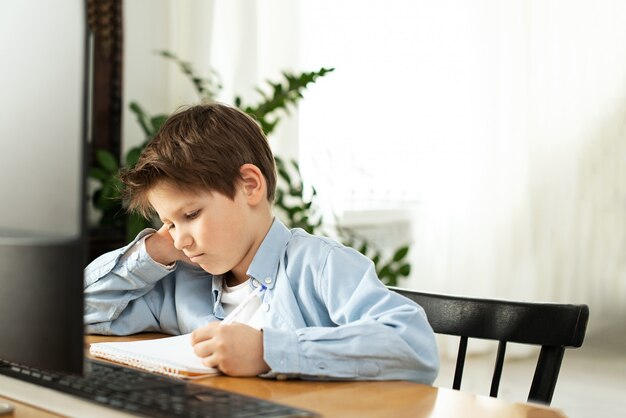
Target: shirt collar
<point>264,266</point>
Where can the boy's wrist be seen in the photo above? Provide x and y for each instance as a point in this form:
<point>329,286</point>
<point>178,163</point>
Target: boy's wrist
<point>160,250</point>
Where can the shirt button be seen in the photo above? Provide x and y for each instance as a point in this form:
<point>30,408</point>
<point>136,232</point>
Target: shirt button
<point>268,280</point>
<point>135,257</point>
<point>266,307</point>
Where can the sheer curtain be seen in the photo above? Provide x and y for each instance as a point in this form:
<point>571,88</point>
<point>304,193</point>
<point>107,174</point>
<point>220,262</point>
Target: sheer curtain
<point>497,127</point>
<point>502,125</point>
<point>246,42</point>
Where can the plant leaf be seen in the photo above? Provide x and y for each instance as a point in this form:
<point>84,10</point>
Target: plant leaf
<point>133,156</point>
<point>384,272</point>
<point>400,253</point>
<point>157,121</point>
<point>107,161</point>
<point>136,223</point>
<point>98,173</point>
<point>142,118</point>
<point>405,270</point>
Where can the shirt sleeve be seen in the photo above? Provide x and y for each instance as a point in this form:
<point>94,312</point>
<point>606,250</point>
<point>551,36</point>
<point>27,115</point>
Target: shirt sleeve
<point>123,293</point>
<point>378,334</point>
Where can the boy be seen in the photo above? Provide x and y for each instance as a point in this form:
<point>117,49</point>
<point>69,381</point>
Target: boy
<point>318,310</point>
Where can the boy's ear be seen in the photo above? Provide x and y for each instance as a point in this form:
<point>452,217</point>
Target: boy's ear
<point>254,183</point>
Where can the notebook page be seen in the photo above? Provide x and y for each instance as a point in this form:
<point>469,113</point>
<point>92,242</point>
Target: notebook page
<point>170,355</point>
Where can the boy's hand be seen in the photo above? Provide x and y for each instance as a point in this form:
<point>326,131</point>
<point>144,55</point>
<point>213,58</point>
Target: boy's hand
<point>235,349</point>
<point>160,247</point>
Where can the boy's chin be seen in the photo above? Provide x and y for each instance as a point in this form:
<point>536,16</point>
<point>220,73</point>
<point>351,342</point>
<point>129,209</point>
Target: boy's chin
<point>208,269</point>
<point>212,270</point>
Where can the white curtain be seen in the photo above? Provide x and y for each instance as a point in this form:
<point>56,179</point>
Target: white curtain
<point>498,126</point>
<point>501,123</point>
<point>246,42</point>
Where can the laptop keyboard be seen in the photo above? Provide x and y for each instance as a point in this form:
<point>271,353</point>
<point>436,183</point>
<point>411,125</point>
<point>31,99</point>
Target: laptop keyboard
<point>137,392</point>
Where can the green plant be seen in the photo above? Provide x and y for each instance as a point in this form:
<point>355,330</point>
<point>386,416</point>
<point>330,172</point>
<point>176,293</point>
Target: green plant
<point>389,269</point>
<point>296,209</point>
<point>294,202</point>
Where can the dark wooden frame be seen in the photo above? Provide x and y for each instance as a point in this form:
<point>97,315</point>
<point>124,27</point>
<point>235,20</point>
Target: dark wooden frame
<point>105,22</point>
<point>104,18</point>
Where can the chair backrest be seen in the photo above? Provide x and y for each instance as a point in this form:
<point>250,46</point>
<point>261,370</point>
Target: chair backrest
<point>552,326</point>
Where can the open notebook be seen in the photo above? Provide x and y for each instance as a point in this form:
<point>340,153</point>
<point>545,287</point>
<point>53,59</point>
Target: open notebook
<point>172,356</point>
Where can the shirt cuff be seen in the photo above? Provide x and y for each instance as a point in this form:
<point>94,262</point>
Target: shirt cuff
<point>281,353</point>
<point>136,264</point>
<point>135,252</point>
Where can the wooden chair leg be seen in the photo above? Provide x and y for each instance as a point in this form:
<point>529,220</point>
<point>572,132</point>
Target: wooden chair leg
<point>460,363</point>
<point>497,371</point>
<point>546,374</point>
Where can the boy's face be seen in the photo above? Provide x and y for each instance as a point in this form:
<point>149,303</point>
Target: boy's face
<point>214,231</point>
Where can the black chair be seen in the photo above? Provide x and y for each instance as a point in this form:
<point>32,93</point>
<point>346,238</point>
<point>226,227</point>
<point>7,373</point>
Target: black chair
<point>553,326</point>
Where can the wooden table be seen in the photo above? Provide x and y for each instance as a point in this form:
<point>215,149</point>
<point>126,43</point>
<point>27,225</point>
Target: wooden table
<point>354,399</point>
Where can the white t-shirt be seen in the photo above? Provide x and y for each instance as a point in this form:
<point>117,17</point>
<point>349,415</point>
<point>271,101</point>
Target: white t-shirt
<point>252,314</point>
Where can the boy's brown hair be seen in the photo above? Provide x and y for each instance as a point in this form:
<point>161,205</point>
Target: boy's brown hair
<point>200,147</point>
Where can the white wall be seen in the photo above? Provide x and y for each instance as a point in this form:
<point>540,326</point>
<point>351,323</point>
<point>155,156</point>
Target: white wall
<point>41,84</point>
<point>146,75</point>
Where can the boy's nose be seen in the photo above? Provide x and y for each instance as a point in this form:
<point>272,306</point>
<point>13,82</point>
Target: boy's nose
<point>182,241</point>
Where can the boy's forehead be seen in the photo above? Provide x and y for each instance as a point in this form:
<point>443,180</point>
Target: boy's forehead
<point>172,189</point>
<point>164,188</point>
<point>166,195</point>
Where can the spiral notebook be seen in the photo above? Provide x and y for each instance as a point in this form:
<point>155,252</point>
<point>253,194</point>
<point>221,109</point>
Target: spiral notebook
<point>171,356</point>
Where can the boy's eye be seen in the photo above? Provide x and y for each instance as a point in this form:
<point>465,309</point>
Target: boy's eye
<point>192,215</point>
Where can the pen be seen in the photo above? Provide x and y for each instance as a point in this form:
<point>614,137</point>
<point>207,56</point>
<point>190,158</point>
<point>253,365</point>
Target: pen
<point>231,317</point>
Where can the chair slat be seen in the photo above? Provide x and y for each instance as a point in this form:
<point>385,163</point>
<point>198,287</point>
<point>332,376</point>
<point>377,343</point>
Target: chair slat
<point>497,370</point>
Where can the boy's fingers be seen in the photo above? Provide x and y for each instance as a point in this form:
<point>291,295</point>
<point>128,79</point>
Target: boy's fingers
<point>203,349</point>
<point>210,362</point>
<point>204,333</point>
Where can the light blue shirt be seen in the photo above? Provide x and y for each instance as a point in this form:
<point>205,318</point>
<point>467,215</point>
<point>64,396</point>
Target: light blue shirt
<point>328,315</point>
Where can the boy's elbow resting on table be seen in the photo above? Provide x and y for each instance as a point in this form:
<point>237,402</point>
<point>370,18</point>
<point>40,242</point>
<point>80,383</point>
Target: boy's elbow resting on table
<point>290,355</point>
